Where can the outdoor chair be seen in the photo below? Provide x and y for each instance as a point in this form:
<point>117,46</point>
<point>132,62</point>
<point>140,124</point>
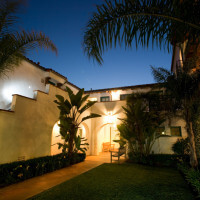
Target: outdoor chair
<point>117,153</point>
<point>107,146</point>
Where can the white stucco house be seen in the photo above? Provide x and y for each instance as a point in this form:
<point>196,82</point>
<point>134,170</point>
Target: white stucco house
<point>29,117</point>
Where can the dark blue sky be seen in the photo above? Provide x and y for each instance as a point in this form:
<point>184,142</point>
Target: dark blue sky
<point>64,21</point>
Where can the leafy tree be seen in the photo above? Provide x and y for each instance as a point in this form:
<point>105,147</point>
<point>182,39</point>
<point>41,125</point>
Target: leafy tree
<point>163,22</point>
<point>181,147</point>
<point>14,44</point>
<point>183,90</point>
<point>140,124</point>
<point>70,118</point>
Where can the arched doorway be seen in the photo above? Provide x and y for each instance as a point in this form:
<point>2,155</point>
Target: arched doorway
<point>107,133</point>
<point>56,137</point>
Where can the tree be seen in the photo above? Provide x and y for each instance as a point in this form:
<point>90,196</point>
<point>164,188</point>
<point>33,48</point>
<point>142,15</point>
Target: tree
<point>140,124</point>
<point>70,118</point>
<point>164,22</point>
<point>13,44</point>
<point>183,89</point>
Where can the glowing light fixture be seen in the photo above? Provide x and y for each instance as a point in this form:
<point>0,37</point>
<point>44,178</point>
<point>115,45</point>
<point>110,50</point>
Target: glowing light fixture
<point>8,92</point>
<point>109,118</point>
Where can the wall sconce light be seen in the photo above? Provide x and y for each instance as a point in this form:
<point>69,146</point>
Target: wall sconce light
<point>109,118</point>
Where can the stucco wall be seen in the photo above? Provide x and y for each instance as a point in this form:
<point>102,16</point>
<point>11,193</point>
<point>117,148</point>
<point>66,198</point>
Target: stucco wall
<point>162,145</point>
<point>22,80</point>
<point>27,130</point>
<point>26,78</point>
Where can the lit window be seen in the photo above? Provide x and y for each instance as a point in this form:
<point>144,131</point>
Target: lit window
<point>160,131</point>
<point>115,95</point>
<point>92,99</point>
<point>175,131</point>
<point>106,98</point>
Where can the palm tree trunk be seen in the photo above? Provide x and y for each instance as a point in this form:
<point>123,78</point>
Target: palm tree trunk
<point>193,155</point>
<point>71,144</point>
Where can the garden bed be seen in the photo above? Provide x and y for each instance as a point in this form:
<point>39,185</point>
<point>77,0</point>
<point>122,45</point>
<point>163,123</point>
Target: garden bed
<point>18,171</point>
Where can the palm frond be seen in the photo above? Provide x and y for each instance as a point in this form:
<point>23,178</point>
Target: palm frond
<point>140,21</point>
<point>15,46</point>
<point>7,17</point>
<point>160,74</point>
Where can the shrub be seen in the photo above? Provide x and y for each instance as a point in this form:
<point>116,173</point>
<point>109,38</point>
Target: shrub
<point>192,176</point>
<point>22,170</point>
<point>159,160</point>
<point>181,146</point>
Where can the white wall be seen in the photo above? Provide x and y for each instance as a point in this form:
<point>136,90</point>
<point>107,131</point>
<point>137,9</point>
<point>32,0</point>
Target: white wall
<point>115,94</point>
<point>23,80</point>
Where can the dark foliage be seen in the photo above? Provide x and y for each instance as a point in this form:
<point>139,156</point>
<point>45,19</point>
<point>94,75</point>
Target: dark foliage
<point>159,160</point>
<point>192,176</point>
<point>135,22</point>
<point>181,147</point>
<point>15,44</point>
<point>18,171</point>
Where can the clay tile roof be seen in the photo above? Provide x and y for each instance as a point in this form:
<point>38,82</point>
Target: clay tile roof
<point>123,88</point>
<point>50,70</point>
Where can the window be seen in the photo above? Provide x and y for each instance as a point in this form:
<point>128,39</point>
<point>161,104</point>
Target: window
<point>52,83</point>
<point>160,131</point>
<point>123,96</point>
<point>92,99</point>
<point>175,131</point>
<point>107,98</point>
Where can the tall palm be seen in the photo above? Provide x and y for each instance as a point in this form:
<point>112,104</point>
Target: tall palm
<point>14,44</point>
<point>183,89</point>
<point>140,21</point>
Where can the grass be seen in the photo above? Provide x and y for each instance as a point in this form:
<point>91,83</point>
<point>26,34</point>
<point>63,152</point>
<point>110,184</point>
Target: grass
<point>122,182</point>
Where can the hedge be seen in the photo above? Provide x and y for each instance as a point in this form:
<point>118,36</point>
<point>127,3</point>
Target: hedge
<point>192,176</point>
<point>18,171</point>
<point>159,160</point>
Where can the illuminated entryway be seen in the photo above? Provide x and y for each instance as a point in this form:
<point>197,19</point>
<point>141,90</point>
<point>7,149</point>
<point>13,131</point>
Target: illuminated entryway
<point>56,137</point>
<point>107,134</point>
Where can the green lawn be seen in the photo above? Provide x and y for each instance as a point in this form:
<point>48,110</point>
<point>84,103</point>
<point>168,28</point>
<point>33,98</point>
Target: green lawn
<point>122,182</point>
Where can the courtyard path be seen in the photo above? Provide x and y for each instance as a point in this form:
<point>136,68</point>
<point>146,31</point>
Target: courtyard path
<point>33,186</point>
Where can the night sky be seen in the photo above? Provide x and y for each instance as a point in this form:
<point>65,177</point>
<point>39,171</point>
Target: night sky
<point>64,21</point>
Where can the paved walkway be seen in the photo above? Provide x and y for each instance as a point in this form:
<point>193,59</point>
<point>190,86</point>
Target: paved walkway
<point>33,186</point>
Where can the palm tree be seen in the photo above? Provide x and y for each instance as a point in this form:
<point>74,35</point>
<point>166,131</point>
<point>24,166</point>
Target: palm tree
<point>70,118</point>
<point>164,22</point>
<point>183,89</point>
<point>14,44</point>
<point>139,126</point>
